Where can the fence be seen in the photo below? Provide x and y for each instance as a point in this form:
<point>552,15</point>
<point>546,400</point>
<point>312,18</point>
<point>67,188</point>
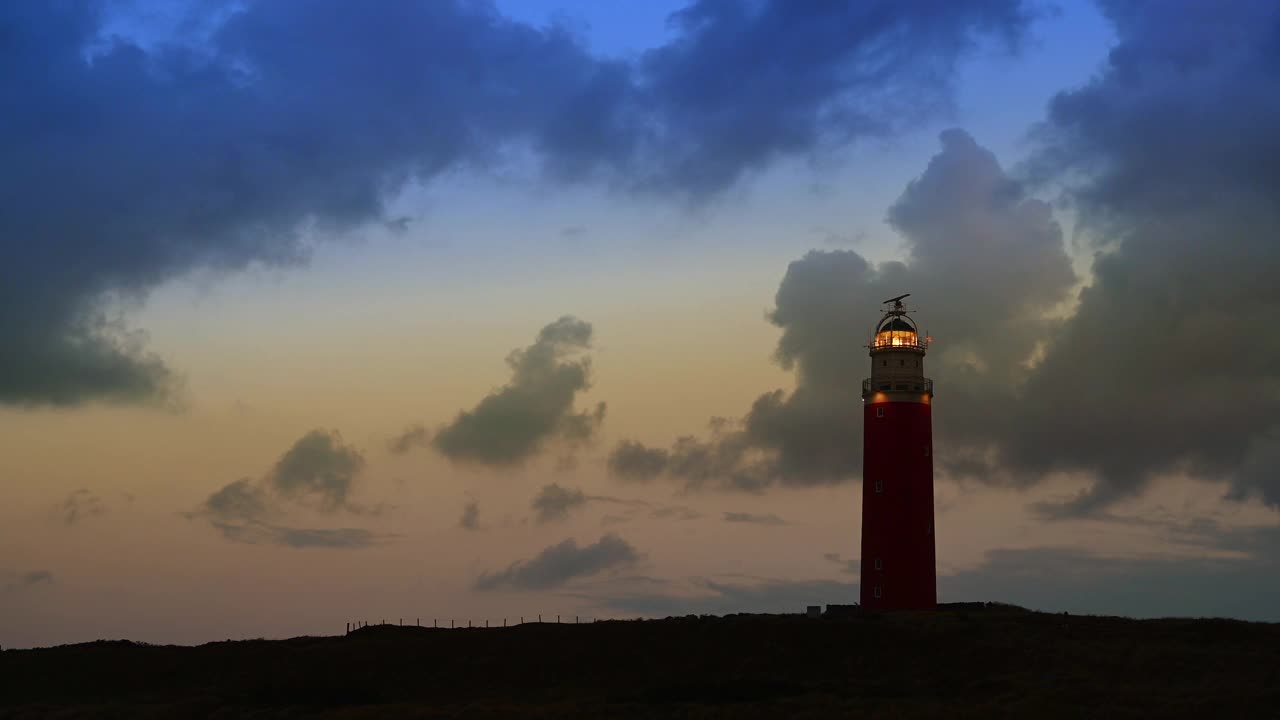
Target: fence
<point>455,624</point>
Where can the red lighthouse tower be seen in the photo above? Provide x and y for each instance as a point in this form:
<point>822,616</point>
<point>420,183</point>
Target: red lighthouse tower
<point>898,570</point>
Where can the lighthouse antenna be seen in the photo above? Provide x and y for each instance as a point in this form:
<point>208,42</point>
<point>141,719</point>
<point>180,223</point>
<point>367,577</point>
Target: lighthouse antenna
<point>897,302</point>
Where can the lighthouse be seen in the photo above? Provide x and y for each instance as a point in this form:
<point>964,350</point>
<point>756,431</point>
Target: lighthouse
<point>898,567</point>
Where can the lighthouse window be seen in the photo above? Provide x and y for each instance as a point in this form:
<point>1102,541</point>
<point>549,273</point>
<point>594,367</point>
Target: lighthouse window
<point>879,412</point>
<point>879,565</point>
<point>877,591</point>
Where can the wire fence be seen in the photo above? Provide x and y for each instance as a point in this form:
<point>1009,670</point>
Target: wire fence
<point>469,623</point>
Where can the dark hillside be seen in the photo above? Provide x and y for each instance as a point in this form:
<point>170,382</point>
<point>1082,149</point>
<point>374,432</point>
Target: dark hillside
<point>955,662</point>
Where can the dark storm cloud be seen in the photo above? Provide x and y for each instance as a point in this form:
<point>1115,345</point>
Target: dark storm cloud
<point>554,502</point>
<point>834,71</point>
<point>414,436</point>
<point>470,516</point>
<point>985,260</point>
<point>754,518</point>
<point>1172,362</point>
<point>81,505</point>
<point>318,473</point>
<point>560,563</point>
<point>514,422</point>
<point>129,164</point>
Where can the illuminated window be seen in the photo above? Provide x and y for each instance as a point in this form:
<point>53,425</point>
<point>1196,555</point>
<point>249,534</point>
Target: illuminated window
<point>879,565</point>
<point>879,412</point>
<point>877,591</point>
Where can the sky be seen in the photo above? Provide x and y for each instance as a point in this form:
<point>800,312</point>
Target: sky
<point>322,312</point>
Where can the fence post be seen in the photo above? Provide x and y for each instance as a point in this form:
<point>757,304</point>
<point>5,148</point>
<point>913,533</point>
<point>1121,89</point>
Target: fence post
<point>468,623</point>
<point>435,623</point>
<point>401,622</point>
<point>450,623</point>
<point>486,623</point>
<point>575,619</point>
<point>417,621</point>
<point>539,618</point>
<point>557,619</point>
<point>504,622</point>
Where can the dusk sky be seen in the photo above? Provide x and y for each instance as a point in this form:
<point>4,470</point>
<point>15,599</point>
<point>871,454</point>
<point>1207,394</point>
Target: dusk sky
<point>324,311</point>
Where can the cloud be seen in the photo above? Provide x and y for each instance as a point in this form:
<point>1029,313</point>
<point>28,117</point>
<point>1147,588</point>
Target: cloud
<point>37,577</point>
<point>1053,579</point>
<point>240,500</point>
<point>253,532</point>
<point>631,460</point>
<point>753,518</point>
<point>1166,366</point>
<point>637,508</point>
<point>514,422</point>
<point>561,563</point>
<point>674,512</point>
<point>81,505</point>
<point>554,502</point>
<point>15,581</point>
<point>987,263</point>
<point>835,72</point>
<point>318,473</point>
<point>852,566</point>
<point>413,436</point>
<point>318,468</point>
<point>1171,364</point>
<point>470,516</point>
<point>707,596</point>
<point>251,128</point>
<point>1058,579</point>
